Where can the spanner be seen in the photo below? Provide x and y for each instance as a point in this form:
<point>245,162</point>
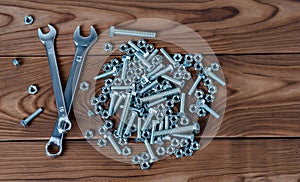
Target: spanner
<point>82,45</point>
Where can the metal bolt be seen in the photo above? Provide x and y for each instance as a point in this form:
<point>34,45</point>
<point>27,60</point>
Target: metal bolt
<point>164,52</point>
<point>162,72</point>
<point>113,31</point>
<point>123,88</point>
<point>124,114</point>
<point>112,103</point>
<point>118,103</point>
<point>199,78</point>
<point>201,103</point>
<point>173,80</point>
<point>113,72</point>
<point>155,70</point>
<point>153,158</point>
<point>195,127</point>
<point>148,119</point>
<point>137,48</point>
<point>154,53</point>
<point>209,73</point>
<point>190,137</point>
<point>26,121</point>
<point>182,103</point>
<point>149,86</point>
<point>16,62</point>
<point>161,95</point>
<point>130,123</point>
<point>167,122</point>
<point>125,60</point>
<point>143,60</point>
<point>157,102</point>
<point>154,124</point>
<point>108,135</point>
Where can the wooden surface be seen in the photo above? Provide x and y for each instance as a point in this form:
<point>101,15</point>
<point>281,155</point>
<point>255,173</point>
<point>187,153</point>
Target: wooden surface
<point>256,42</point>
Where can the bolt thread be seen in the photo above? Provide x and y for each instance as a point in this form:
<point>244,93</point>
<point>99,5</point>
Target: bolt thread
<point>159,67</point>
<point>142,59</point>
<point>154,53</point>
<point>112,103</point>
<point>114,144</point>
<point>167,55</point>
<point>135,47</point>
<point>104,75</point>
<point>184,129</point>
<point>148,120</point>
<point>216,78</point>
<point>173,80</point>
<point>160,95</point>
<point>124,114</point>
<point>130,123</point>
<point>162,72</point>
<point>182,102</point>
<point>118,103</point>
<point>156,102</point>
<point>135,33</point>
<point>149,149</point>
<point>193,88</point>
<point>148,87</point>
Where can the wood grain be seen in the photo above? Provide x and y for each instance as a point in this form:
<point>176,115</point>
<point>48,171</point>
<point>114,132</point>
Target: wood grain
<point>229,27</point>
<point>222,160</point>
<point>263,96</point>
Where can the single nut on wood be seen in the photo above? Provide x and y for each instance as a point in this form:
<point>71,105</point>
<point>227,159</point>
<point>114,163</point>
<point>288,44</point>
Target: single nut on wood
<point>84,86</point>
<point>28,20</point>
<point>32,89</point>
<point>16,62</point>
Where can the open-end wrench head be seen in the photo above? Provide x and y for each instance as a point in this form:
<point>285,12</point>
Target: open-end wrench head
<point>85,41</point>
<point>48,36</point>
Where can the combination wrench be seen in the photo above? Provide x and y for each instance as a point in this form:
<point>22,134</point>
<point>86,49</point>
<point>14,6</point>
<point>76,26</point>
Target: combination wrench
<point>64,101</point>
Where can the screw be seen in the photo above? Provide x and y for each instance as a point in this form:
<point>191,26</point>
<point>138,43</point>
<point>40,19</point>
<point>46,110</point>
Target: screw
<point>199,77</point>
<point>195,127</point>
<point>113,31</point>
<point>209,73</point>
<point>182,103</point>
<point>151,85</point>
<point>139,133</point>
<point>153,158</point>
<point>166,122</point>
<point>108,135</point>
<point>31,117</point>
<point>124,114</point>
<point>160,95</point>
<point>154,124</point>
<point>162,72</point>
<point>201,103</point>
<point>173,80</point>
<point>112,103</point>
<point>148,119</point>
<point>16,63</point>
<point>113,72</point>
<point>164,52</point>
<point>130,123</point>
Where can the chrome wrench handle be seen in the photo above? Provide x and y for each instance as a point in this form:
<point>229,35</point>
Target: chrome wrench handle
<point>82,44</point>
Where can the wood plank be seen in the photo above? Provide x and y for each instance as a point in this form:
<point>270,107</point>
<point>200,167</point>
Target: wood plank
<point>263,96</point>
<point>267,26</point>
<point>222,160</point>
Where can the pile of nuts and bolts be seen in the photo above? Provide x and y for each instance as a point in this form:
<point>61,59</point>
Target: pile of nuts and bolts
<point>146,88</point>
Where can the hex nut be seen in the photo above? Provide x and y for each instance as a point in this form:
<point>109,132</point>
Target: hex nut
<point>106,67</point>
<point>123,47</point>
<point>177,57</point>
<point>136,159</point>
<point>209,98</point>
<point>102,130</point>
<point>188,152</point>
<point>146,134</point>
<point>212,89</point>
<point>195,146</point>
<point>141,43</point>
<point>16,62</point>
<point>28,20</point>
<point>103,98</point>
<point>184,142</point>
<point>145,156</point>
<point>105,90</point>
<point>176,98</point>
<point>108,82</point>
<point>117,82</point>
<point>94,101</point>
<point>198,57</point>
<point>102,142</point>
<point>170,150</point>
<point>160,151</point>
<point>215,66</point>
<point>169,103</point>
<point>98,109</point>
<point>104,114</point>
<point>201,113</point>
<point>198,66</point>
<point>177,75</point>
<point>175,142</point>
<point>178,153</point>
<point>90,113</point>
<point>186,75</point>
<point>157,59</point>
<point>193,108</point>
<point>114,62</point>
<point>130,51</point>
<point>84,86</point>
<point>207,82</point>
<point>149,47</point>
<point>145,165</point>
<point>169,112</point>
<point>109,124</point>
<point>199,94</point>
<point>126,151</point>
<point>122,141</point>
<point>184,121</point>
<point>108,47</point>
<point>160,116</point>
<point>88,134</point>
<point>32,89</point>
